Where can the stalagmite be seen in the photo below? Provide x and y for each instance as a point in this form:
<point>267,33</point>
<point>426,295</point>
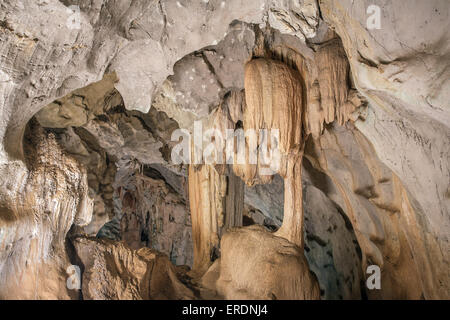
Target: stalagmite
<point>274,100</point>
<point>338,159</point>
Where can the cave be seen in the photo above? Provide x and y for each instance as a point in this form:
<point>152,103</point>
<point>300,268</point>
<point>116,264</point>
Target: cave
<point>224,150</point>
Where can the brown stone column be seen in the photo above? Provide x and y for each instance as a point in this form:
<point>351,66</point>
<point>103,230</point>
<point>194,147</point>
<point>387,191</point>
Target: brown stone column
<point>292,227</point>
<point>234,201</point>
<point>216,202</point>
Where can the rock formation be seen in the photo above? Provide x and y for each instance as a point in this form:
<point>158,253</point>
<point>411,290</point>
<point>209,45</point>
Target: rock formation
<point>41,207</point>
<point>130,274</point>
<point>338,158</point>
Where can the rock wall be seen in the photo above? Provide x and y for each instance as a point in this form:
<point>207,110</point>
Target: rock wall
<point>150,213</point>
<point>370,104</point>
<point>37,211</point>
<point>402,70</point>
<point>386,223</point>
<point>113,271</point>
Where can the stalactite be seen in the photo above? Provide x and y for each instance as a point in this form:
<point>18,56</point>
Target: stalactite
<point>274,101</point>
<point>216,202</point>
<point>204,199</point>
<point>234,202</point>
<point>273,94</point>
<point>295,96</point>
<point>333,71</point>
<point>327,93</point>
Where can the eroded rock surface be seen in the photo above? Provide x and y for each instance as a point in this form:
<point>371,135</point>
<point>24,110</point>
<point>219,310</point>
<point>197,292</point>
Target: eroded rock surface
<point>50,197</point>
<point>113,271</point>
<point>256,264</point>
<point>367,108</point>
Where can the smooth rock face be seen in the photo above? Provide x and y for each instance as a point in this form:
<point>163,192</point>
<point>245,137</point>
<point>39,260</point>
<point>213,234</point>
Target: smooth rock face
<point>331,248</point>
<point>366,108</point>
<point>255,264</point>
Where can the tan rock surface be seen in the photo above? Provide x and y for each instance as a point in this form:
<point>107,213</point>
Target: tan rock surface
<point>112,271</point>
<point>256,264</point>
<point>50,196</point>
<point>370,104</point>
